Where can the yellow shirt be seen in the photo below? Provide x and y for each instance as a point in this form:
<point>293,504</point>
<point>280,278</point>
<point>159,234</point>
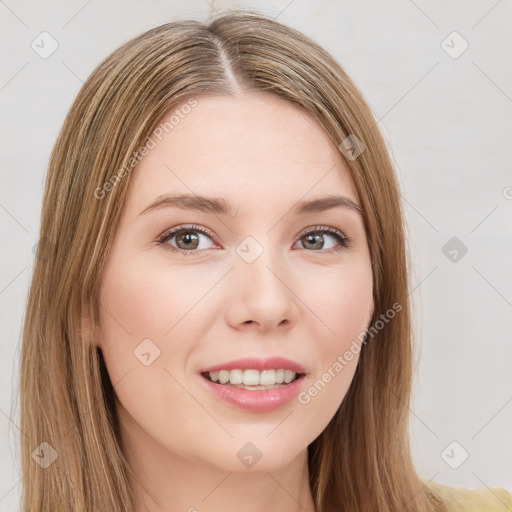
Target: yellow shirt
<point>485,499</point>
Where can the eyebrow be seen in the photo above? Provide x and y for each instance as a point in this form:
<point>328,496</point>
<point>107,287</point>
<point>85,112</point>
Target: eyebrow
<point>220,206</point>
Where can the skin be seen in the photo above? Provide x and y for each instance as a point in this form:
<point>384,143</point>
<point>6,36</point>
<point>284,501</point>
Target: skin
<point>298,299</point>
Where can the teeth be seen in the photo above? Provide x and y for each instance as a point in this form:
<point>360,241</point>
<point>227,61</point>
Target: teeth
<point>236,377</point>
<point>253,377</point>
<point>247,377</point>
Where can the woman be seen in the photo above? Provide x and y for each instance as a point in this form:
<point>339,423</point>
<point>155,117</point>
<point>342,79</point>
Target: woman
<point>220,318</point>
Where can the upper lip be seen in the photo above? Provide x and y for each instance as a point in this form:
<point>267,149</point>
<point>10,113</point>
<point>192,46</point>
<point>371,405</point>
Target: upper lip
<point>255,363</point>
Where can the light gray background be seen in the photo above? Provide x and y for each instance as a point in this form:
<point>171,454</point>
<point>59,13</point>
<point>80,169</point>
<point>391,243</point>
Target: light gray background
<point>448,122</point>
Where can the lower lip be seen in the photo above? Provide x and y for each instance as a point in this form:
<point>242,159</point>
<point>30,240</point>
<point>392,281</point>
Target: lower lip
<point>263,400</point>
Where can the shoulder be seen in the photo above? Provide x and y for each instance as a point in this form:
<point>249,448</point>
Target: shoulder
<point>462,499</point>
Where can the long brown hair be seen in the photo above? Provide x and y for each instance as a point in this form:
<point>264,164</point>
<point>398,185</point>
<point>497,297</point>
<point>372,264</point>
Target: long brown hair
<point>362,460</point>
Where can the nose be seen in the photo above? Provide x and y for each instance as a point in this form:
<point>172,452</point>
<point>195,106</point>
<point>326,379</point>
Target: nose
<point>262,295</point>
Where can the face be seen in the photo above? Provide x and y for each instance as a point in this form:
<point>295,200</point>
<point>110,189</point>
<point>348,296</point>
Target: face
<point>186,290</point>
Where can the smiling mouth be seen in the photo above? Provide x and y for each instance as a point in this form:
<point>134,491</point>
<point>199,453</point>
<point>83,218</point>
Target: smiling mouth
<point>252,379</point>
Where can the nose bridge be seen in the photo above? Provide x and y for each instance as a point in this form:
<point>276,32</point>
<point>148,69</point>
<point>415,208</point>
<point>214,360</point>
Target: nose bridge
<point>257,264</point>
<point>262,289</point>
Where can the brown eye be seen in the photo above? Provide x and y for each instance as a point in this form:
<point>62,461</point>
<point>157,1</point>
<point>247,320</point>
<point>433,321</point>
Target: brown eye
<point>188,240</point>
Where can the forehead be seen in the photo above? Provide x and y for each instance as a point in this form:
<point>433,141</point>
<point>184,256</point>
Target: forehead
<point>255,147</point>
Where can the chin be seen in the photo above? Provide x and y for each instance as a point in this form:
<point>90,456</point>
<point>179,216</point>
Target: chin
<point>257,455</point>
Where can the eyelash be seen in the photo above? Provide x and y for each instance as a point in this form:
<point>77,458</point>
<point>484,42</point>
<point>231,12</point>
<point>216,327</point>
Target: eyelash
<point>344,241</point>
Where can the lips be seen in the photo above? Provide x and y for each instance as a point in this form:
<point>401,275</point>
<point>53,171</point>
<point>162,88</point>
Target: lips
<point>254,363</point>
<point>255,401</point>
<point>254,398</point>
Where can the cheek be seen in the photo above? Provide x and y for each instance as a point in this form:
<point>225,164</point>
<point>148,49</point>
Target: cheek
<point>149,326</point>
<point>343,307</point>
<point>144,333</point>
<point>133,317</point>
<point>147,301</point>
<point>342,301</point>
<point>350,308</point>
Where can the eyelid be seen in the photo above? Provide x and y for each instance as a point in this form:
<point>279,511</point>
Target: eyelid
<point>314,229</point>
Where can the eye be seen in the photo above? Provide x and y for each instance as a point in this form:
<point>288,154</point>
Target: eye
<point>314,238</point>
<point>188,239</point>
